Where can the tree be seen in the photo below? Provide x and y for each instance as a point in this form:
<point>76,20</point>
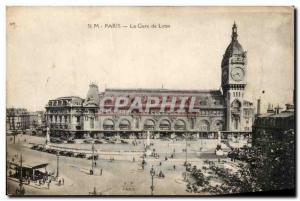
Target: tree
<point>273,169</point>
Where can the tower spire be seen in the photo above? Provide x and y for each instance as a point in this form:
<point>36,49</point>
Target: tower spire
<point>234,32</point>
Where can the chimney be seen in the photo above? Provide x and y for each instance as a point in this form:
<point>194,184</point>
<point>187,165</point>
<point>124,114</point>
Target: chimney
<point>258,107</point>
<point>277,109</point>
<point>289,107</point>
<point>270,108</point>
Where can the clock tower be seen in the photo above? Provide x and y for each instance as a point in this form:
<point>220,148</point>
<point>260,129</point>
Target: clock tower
<point>234,65</point>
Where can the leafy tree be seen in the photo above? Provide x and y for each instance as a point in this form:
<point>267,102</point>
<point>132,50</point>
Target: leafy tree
<point>273,169</point>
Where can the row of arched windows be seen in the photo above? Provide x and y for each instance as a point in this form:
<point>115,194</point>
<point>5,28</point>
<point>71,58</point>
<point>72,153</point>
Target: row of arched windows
<point>164,124</point>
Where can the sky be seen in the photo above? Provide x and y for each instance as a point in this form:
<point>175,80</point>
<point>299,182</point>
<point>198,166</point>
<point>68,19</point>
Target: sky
<point>52,51</point>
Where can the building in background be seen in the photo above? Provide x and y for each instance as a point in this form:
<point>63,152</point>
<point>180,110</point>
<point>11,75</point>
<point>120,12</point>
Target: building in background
<point>273,126</point>
<point>17,120</point>
<point>20,120</point>
<point>223,110</point>
<point>64,115</point>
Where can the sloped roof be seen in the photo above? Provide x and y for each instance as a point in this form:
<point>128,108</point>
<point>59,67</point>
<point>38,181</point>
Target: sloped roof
<point>162,91</point>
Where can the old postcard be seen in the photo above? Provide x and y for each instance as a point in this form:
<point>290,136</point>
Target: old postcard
<point>150,101</point>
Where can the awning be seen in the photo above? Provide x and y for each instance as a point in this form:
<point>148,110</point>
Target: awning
<point>31,165</point>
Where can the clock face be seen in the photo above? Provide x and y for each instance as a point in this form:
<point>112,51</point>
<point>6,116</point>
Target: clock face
<point>224,76</point>
<point>237,74</point>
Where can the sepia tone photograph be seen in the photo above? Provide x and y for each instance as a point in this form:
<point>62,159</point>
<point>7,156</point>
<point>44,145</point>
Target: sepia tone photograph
<point>150,101</point>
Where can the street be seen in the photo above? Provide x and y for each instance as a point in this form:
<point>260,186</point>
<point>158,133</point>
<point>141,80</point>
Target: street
<point>119,177</point>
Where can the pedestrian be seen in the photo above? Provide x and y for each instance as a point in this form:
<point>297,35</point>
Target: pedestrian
<point>174,167</point>
<point>160,174</point>
<point>95,163</point>
<point>133,159</point>
<point>101,172</point>
<point>48,184</point>
<point>63,181</point>
<point>160,163</point>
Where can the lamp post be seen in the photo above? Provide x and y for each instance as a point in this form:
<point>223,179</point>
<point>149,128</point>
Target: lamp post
<point>21,170</point>
<point>173,147</point>
<point>93,150</point>
<point>186,136</point>
<point>21,190</point>
<point>152,173</point>
<point>57,164</point>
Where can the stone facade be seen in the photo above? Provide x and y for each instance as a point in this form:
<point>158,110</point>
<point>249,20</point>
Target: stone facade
<point>20,120</point>
<point>273,126</point>
<point>218,110</point>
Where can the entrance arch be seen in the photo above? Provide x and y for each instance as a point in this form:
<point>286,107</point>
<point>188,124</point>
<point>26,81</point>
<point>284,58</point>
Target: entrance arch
<point>204,125</point>
<point>149,124</point>
<point>164,125</point>
<point>180,125</point>
<point>219,125</point>
<point>124,124</point>
<point>108,124</point>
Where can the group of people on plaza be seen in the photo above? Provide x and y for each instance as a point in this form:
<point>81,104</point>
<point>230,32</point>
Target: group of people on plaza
<point>44,181</point>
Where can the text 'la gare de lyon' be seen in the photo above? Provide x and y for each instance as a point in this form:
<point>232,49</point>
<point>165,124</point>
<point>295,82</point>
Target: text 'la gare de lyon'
<point>132,26</point>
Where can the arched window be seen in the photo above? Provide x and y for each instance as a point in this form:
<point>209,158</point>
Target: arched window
<point>203,100</point>
<point>204,125</point>
<point>124,124</point>
<point>180,125</point>
<point>235,121</point>
<point>165,125</point>
<point>236,106</point>
<point>149,124</point>
<point>219,125</point>
<point>108,102</point>
<point>108,124</point>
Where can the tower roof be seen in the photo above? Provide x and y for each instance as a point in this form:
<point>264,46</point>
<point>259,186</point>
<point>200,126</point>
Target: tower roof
<point>92,95</point>
<point>234,48</point>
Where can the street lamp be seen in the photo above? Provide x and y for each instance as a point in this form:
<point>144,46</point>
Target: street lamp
<point>21,190</point>
<point>186,148</point>
<point>174,147</point>
<point>152,173</point>
<point>93,149</point>
<point>57,164</point>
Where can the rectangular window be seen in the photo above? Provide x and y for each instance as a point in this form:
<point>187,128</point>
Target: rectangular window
<point>92,123</point>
